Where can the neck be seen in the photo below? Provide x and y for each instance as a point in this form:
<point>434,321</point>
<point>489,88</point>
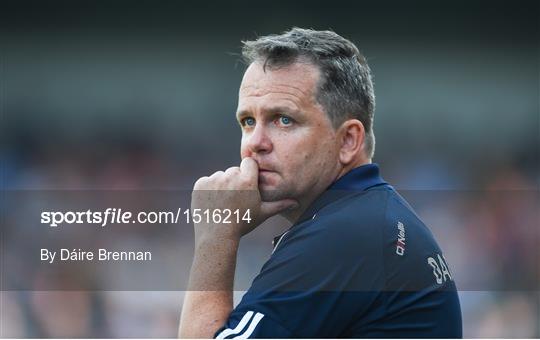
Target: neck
<point>294,215</point>
<point>345,169</point>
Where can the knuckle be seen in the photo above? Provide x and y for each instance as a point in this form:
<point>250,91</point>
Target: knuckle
<point>216,175</point>
<point>232,170</point>
<point>200,182</point>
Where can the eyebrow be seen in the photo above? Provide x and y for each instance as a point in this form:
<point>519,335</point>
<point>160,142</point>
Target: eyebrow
<point>271,110</point>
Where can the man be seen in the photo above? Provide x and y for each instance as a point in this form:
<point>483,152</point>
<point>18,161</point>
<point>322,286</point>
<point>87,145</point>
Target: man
<point>357,261</point>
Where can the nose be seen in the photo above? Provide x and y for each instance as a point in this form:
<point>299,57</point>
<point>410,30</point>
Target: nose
<point>257,141</point>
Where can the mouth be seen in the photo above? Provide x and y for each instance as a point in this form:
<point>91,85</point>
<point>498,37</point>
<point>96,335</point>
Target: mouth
<point>265,173</point>
<point>266,176</point>
<point>264,168</point>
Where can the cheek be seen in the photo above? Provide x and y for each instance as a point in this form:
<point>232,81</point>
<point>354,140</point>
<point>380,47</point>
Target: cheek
<point>302,157</point>
<point>320,157</point>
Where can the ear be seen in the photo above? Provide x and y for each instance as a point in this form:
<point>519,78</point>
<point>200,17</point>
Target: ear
<point>352,135</point>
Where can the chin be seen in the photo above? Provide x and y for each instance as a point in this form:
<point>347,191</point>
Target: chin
<point>273,194</point>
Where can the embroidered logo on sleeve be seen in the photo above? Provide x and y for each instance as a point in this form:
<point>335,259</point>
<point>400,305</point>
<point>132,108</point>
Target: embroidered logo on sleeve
<point>400,244</point>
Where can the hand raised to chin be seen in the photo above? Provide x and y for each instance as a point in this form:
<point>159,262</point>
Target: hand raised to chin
<point>235,188</point>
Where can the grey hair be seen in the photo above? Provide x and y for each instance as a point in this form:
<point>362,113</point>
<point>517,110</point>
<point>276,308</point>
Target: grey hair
<point>345,89</point>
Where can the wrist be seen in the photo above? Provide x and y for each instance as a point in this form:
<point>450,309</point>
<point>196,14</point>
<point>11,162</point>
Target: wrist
<point>212,233</point>
<point>217,241</point>
<point>213,263</point>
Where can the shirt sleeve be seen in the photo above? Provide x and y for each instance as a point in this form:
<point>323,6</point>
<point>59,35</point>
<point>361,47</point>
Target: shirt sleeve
<point>316,283</point>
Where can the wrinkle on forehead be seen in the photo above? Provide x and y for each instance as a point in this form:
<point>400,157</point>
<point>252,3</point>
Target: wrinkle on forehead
<point>298,79</point>
<point>259,91</point>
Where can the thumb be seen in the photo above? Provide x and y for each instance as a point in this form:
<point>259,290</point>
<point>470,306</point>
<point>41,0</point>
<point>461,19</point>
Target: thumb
<point>269,209</point>
<point>249,168</point>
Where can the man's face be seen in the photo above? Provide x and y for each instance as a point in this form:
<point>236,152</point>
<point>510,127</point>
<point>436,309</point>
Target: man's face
<point>287,132</point>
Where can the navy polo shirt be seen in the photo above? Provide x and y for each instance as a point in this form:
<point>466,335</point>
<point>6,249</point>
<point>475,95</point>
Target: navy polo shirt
<point>358,263</point>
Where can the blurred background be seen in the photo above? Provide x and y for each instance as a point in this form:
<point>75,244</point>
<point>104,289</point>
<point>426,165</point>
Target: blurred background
<point>139,96</point>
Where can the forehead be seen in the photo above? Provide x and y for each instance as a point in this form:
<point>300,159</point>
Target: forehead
<point>294,83</point>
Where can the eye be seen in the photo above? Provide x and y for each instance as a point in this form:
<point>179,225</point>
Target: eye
<point>249,121</point>
<point>284,120</point>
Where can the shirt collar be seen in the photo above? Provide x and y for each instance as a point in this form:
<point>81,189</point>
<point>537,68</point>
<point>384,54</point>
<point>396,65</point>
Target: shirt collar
<point>358,179</point>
